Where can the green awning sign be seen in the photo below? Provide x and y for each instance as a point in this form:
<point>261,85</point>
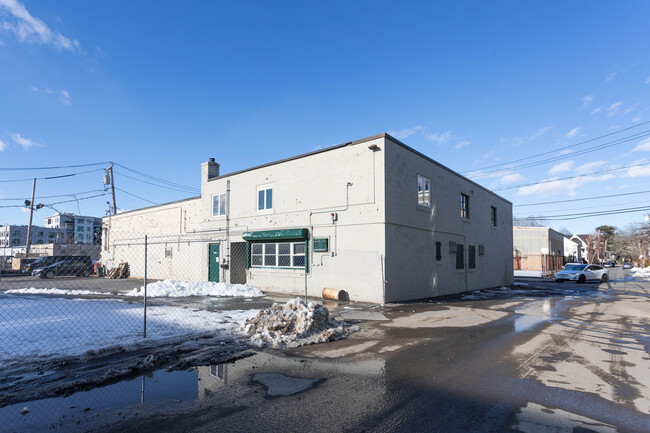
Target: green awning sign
<point>276,235</point>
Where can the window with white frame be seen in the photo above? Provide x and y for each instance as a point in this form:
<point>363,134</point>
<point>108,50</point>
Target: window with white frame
<point>218,204</point>
<point>424,193</point>
<point>264,197</point>
<point>278,254</point>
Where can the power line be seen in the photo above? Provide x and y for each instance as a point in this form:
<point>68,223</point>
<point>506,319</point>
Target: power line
<point>167,182</point>
<point>567,156</point>
<point>133,195</point>
<point>574,177</point>
<point>565,147</point>
<point>580,199</point>
<point>591,214</point>
<point>55,203</point>
<point>52,177</point>
<point>53,196</point>
<point>51,168</point>
<point>155,184</point>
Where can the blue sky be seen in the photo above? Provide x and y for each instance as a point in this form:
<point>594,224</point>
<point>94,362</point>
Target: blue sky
<point>160,87</point>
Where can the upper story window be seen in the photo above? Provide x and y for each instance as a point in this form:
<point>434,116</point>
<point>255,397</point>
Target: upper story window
<point>464,206</point>
<point>218,204</point>
<point>264,197</point>
<point>424,193</point>
<point>493,216</point>
<point>16,233</point>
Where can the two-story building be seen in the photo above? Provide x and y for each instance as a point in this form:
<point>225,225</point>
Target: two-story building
<point>373,217</point>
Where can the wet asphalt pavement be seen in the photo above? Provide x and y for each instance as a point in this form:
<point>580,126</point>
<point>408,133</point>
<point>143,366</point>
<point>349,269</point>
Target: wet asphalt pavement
<point>539,357</point>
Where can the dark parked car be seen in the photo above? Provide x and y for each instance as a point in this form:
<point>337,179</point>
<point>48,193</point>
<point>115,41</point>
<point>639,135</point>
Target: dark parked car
<point>77,268</point>
<point>42,262</point>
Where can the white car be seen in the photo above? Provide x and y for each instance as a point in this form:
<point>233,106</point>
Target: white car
<point>582,273</point>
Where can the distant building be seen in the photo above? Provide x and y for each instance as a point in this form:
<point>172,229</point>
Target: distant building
<point>538,251</point>
<point>16,235</point>
<point>78,229</point>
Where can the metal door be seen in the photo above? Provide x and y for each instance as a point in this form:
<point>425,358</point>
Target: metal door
<point>213,266</point>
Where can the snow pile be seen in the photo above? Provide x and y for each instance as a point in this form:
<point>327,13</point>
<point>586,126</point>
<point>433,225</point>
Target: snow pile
<point>294,324</point>
<point>641,272</point>
<point>179,289</point>
<point>52,291</point>
<point>45,327</point>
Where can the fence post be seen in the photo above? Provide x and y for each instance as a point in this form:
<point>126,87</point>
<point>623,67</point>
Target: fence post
<point>145,286</point>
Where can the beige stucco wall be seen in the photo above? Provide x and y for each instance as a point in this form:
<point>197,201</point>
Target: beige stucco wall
<point>412,271</point>
<point>382,247</point>
<point>172,227</point>
<point>347,181</point>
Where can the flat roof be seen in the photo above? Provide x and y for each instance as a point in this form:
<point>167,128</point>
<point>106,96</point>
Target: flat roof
<point>352,143</point>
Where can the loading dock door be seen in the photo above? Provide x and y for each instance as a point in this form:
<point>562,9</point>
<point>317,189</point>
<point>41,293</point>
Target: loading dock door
<point>213,266</point>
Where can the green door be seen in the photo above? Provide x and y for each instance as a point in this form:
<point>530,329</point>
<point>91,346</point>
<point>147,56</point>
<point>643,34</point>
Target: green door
<point>213,267</point>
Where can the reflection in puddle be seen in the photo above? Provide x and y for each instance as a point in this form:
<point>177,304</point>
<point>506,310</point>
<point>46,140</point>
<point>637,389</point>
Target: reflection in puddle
<point>280,384</point>
<point>533,314</point>
<point>74,412</point>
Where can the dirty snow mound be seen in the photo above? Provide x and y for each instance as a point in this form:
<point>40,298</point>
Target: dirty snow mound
<point>294,324</point>
<point>641,272</point>
<point>179,289</point>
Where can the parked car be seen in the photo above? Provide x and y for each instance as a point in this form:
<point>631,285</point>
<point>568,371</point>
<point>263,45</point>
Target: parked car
<point>608,264</point>
<point>65,268</point>
<point>582,273</point>
<point>627,265</point>
<point>44,261</point>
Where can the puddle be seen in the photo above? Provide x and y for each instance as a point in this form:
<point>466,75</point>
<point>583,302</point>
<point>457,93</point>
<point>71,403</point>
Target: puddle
<point>281,385</point>
<point>533,314</point>
<point>74,412</point>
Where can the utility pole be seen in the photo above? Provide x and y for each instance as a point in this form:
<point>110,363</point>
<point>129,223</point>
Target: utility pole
<point>31,215</point>
<point>112,179</point>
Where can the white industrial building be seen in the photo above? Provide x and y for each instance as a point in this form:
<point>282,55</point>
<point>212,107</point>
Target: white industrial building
<point>372,217</point>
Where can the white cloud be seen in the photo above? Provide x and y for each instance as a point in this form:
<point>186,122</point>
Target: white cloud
<point>610,77</point>
<point>565,186</point>
<point>561,167</point>
<point>565,151</point>
<point>462,144</point>
<point>641,171</point>
<point>3,146</point>
<point>26,143</point>
<point>573,132</point>
<point>587,100</point>
<point>613,109</point>
<point>643,145</point>
<point>540,132</point>
<point>65,97</point>
<point>586,168</point>
<point>17,21</point>
<point>512,178</point>
<point>439,138</point>
<point>404,133</point>
<point>647,80</point>
<point>596,110</point>
<point>34,89</point>
<point>637,119</point>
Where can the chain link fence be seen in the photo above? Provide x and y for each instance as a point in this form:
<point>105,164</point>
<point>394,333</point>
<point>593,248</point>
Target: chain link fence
<point>77,317</point>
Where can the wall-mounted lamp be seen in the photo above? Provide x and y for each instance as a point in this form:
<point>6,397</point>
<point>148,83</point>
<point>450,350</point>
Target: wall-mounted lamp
<point>373,147</point>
